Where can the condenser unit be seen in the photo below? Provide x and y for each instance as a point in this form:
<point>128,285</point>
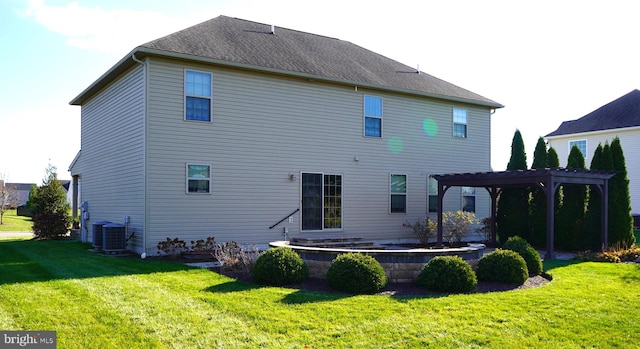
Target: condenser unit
<point>113,237</point>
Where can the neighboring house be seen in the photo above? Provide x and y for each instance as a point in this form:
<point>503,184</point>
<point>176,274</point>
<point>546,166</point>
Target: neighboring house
<point>620,118</point>
<point>228,127</point>
<point>18,193</point>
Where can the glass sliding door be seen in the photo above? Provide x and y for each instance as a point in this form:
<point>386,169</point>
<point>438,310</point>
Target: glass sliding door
<point>321,201</point>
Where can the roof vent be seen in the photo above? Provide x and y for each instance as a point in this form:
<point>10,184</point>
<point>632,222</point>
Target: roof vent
<point>418,69</point>
<point>273,29</point>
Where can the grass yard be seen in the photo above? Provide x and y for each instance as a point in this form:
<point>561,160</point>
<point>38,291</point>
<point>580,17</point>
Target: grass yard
<point>96,301</point>
<point>13,222</point>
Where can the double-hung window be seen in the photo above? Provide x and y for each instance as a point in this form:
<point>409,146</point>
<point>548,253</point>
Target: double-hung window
<point>433,195</point>
<point>459,123</point>
<point>198,178</point>
<point>581,144</point>
<point>398,193</point>
<point>197,95</point>
<point>372,116</point>
<point>469,199</point>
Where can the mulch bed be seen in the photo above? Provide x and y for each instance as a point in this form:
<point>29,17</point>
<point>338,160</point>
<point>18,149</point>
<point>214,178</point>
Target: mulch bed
<point>395,289</point>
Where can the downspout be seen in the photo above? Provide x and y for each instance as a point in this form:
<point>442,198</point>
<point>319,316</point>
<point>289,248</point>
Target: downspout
<point>143,255</point>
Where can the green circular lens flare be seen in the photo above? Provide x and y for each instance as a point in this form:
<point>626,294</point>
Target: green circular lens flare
<point>395,145</point>
<point>430,127</point>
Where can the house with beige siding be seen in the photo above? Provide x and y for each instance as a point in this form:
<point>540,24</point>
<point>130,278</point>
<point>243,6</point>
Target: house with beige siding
<point>252,133</point>
<point>619,118</point>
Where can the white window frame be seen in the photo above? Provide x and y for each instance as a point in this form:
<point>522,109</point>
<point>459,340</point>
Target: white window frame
<point>571,143</point>
<point>432,192</point>
<point>471,194</point>
<point>323,197</point>
<point>366,116</point>
<point>456,118</point>
<point>392,193</point>
<point>209,97</point>
<point>197,178</point>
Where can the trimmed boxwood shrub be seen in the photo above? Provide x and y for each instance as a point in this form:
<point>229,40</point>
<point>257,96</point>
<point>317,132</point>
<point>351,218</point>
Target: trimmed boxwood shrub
<point>356,273</point>
<point>524,249</point>
<point>448,274</point>
<point>279,266</point>
<point>502,266</point>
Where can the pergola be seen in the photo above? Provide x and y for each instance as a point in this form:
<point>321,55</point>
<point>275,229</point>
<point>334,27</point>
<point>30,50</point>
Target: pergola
<point>548,180</point>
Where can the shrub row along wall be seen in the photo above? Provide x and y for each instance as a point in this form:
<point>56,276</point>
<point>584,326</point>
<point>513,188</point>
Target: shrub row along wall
<point>399,265</point>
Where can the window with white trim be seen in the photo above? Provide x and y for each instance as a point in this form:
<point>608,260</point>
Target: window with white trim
<point>581,144</point>
<point>398,193</point>
<point>459,123</point>
<point>469,199</point>
<point>197,95</point>
<point>372,116</point>
<point>433,194</point>
<point>198,178</point>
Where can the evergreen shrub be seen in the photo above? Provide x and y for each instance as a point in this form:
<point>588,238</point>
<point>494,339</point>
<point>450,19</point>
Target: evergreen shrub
<point>356,273</point>
<point>524,249</point>
<point>279,266</point>
<point>502,266</point>
<point>448,274</point>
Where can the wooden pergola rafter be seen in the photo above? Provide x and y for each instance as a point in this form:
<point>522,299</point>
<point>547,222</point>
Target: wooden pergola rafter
<point>548,180</point>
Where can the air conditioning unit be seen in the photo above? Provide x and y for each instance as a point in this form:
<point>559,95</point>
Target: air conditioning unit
<point>113,237</point>
<point>96,239</point>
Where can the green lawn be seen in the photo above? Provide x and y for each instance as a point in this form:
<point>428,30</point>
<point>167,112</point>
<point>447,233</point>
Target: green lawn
<point>12,222</point>
<point>96,301</point>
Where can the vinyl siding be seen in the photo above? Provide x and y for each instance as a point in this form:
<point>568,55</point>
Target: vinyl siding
<point>111,165</point>
<point>265,128</point>
<point>630,142</point>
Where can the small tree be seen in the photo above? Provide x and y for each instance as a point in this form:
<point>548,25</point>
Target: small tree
<point>50,209</point>
<point>455,225</point>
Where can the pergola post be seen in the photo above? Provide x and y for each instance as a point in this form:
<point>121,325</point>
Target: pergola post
<point>550,193</point>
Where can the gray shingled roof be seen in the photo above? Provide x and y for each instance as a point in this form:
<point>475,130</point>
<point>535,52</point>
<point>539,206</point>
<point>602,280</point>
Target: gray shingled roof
<point>251,45</point>
<point>621,113</point>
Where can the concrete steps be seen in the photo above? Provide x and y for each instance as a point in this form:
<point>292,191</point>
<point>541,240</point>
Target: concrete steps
<point>335,241</point>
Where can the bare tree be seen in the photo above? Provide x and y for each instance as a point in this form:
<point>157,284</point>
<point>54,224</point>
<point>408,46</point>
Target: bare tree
<point>7,196</point>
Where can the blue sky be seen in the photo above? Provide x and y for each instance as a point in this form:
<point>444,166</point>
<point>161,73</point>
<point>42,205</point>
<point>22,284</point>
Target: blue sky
<point>546,61</point>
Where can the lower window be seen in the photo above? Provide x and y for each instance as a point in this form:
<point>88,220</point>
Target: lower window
<point>398,193</point>
<point>198,178</point>
<point>321,201</point>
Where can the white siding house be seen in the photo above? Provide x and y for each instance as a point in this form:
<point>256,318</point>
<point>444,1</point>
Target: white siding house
<point>619,118</point>
<point>226,128</point>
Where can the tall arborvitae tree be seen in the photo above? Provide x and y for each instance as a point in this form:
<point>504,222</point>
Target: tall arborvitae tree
<point>571,214</point>
<point>591,229</point>
<point>513,204</point>
<point>552,158</point>
<point>538,203</point>
<point>620,220</point>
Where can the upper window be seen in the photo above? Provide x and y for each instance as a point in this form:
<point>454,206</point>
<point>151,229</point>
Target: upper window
<point>581,144</point>
<point>433,194</point>
<point>198,178</point>
<point>398,193</point>
<point>372,116</point>
<point>197,95</point>
<point>469,199</point>
<point>459,123</point>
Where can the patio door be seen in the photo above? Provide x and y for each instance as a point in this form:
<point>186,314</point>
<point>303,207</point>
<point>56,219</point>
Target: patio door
<point>321,202</point>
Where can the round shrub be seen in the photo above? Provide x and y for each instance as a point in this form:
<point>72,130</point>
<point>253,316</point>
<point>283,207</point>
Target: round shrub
<point>356,273</point>
<point>279,266</point>
<point>447,274</point>
<point>502,266</point>
<point>530,255</point>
